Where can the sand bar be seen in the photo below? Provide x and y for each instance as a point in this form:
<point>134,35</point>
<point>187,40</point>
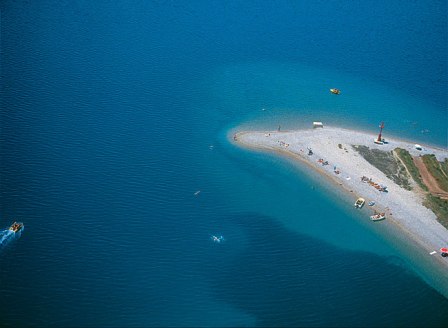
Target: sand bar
<point>404,208</point>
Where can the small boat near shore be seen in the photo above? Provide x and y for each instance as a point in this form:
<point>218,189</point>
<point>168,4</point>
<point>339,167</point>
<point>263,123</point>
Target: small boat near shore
<point>335,91</point>
<point>378,217</point>
<point>371,203</point>
<point>16,227</point>
<point>360,202</point>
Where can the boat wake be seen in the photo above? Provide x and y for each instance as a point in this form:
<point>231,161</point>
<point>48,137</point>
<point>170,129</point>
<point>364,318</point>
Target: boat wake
<point>7,237</point>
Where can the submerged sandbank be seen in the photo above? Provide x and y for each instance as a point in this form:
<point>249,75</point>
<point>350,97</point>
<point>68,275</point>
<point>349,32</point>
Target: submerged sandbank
<point>346,166</point>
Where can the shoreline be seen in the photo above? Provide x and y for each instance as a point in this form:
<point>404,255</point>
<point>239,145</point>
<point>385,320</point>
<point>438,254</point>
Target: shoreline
<point>235,130</point>
<point>403,208</point>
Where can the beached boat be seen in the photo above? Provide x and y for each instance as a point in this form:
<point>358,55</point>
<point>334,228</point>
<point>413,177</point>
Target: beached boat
<point>378,217</point>
<point>335,91</point>
<point>360,202</point>
<point>16,227</point>
<point>371,203</point>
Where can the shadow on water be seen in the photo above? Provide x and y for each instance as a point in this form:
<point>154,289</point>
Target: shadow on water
<point>287,279</point>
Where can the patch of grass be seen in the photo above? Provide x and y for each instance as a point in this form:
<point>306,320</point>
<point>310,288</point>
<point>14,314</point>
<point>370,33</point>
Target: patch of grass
<point>394,169</point>
<point>444,166</point>
<point>435,168</point>
<point>410,165</point>
<point>386,163</point>
<point>439,207</point>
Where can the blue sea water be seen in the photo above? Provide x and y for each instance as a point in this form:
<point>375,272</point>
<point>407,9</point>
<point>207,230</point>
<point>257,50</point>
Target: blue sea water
<point>109,110</point>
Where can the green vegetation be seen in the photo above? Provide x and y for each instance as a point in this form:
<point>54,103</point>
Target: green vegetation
<point>394,169</point>
<point>386,163</point>
<point>444,166</point>
<point>410,165</point>
<point>440,208</point>
<point>437,170</point>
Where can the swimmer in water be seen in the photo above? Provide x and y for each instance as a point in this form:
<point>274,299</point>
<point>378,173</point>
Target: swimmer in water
<point>217,239</point>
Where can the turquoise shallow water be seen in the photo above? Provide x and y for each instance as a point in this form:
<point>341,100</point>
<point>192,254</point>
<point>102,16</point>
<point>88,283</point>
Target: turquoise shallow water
<point>292,95</point>
<point>108,114</point>
<point>301,102</point>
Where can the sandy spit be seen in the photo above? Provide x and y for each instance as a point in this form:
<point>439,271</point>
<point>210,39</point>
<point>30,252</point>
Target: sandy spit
<point>403,208</point>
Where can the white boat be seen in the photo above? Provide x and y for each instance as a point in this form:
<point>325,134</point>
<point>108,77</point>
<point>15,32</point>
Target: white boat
<point>371,203</point>
<point>360,202</point>
<point>378,217</point>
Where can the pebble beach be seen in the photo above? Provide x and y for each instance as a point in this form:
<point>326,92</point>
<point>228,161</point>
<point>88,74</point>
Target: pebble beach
<point>333,155</point>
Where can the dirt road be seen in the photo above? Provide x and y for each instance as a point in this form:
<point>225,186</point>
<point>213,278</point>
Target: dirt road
<point>429,180</point>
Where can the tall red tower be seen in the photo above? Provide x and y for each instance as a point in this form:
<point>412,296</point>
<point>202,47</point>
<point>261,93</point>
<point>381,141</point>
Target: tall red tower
<point>381,130</point>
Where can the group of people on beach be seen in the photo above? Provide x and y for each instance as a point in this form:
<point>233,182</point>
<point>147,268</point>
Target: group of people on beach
<point>322,161</point>
<point>374,184</point>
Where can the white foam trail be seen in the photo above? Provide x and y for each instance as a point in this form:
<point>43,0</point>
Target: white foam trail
<point>6,236</point>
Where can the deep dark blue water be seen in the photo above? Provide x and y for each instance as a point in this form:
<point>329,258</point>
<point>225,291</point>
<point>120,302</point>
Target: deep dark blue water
<point>108,112</point>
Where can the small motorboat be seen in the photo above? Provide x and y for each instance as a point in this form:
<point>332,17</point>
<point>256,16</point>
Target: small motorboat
<point>16,227</point>
<point>371,203</point>
<point>335,91</point>
<point>378,217</point>
<point>360,202</point>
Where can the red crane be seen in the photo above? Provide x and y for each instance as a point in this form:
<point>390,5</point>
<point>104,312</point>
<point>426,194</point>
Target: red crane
<point>381,130</point>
